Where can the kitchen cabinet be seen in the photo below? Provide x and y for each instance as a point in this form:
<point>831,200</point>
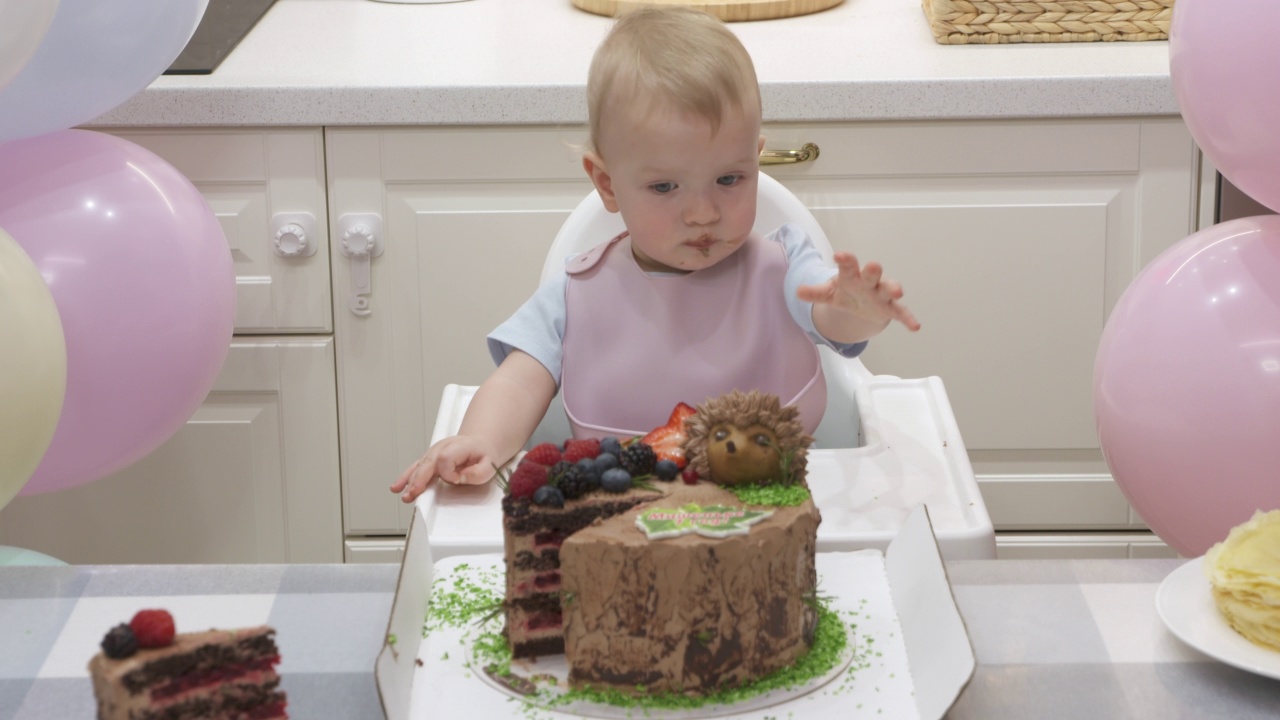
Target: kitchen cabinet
<point>251,478</point>
<point>1013,239</point>
<point>254,475</point>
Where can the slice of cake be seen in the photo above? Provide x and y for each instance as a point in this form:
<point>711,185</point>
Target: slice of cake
<point>146,671</point>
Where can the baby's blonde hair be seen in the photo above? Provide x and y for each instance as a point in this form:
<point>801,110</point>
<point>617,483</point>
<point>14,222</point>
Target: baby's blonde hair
<point>672,56</point>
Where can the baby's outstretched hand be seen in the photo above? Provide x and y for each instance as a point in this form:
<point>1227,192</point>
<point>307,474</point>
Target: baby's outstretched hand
<point>863,292</point>
<point>460,460</point>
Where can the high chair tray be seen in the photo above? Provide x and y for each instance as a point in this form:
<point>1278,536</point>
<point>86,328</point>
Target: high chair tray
<point>912,455</point>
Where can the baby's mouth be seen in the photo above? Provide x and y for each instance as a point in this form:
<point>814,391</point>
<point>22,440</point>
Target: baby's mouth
<point>702,244</point>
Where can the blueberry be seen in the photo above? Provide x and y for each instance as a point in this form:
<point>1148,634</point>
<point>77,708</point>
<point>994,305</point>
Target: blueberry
<point>548,496</point>
<point>666,470</point>
<point>588,468</point>
<point>605,462</point>
<point>610,446</point>
<point>615,480</point>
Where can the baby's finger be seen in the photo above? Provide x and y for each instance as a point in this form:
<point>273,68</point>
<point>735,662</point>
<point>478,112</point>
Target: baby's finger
<point>871,273</point>
<point>905,316</point>
<point>815,293</point>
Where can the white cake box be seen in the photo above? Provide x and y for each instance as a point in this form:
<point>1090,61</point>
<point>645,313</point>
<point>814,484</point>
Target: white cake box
<point>911,652</point>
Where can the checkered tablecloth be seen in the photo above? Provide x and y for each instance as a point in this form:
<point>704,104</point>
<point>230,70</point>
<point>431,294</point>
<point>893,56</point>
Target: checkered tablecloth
<point>329,622</point>
<point>1053,639</point>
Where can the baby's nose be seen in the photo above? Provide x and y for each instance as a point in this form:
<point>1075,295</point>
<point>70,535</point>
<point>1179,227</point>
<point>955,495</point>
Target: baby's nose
<point>700,210</point>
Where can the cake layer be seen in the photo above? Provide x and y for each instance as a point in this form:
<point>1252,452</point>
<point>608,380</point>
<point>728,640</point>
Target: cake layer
<point>688,613</point>
<point>532,537</point>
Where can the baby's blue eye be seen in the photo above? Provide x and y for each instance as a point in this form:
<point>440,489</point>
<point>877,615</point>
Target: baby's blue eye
<point>662,188</point>
<point>728,180</point>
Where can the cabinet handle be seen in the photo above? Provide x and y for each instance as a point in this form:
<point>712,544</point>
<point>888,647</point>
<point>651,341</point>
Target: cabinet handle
<point>361,241</point>
<point>807,152</point>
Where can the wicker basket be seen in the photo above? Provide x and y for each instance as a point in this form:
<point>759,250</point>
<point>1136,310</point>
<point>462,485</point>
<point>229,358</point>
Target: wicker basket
<point>960,22</point>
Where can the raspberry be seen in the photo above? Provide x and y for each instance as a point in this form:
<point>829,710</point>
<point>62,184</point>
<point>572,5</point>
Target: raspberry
<point>526,480</point>
<point>575,450</point>
<point>545,454</point>
<point>119,642</point>
<point>637,459</point>
<point>153,628</point>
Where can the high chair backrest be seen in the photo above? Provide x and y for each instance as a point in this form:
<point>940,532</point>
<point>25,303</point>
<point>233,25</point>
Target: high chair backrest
<point>590,224</point>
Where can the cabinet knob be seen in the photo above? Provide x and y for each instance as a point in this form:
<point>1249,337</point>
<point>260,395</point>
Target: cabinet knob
<point>293,235</point>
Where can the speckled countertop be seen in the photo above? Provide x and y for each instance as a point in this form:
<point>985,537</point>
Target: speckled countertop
<point>357,62</point>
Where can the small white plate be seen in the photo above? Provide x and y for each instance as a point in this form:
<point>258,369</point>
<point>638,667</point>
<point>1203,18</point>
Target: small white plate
<point>1185,604</point>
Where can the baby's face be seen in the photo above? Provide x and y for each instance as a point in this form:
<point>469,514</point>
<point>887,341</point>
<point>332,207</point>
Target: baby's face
<point>687,196</point>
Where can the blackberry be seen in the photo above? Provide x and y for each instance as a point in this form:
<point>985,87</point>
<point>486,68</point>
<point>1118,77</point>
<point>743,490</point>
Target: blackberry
<point>638,459</point>
<point>120,642</point>
<point>547,496</point>
<point>615,480</point>
<point>575,482</point>
<point>666,470</point>
<point>558,470</point>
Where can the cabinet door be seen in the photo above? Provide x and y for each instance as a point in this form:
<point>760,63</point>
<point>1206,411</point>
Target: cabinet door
<point>251,478</point>
<point>468,217</point>
<point>1013,241</point>
<point>252,179</point>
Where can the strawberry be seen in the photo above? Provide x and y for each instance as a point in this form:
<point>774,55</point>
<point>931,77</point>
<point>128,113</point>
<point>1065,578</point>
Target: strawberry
<point>546,454</point>
<point>527,478</point>
<point>575,450</point>
<point>152,628</point>
<point>667,440</point>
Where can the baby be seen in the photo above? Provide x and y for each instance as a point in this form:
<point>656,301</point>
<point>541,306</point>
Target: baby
<point>688,303</point>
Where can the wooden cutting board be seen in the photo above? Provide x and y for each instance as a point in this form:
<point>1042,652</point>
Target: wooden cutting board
<point>727,10</point>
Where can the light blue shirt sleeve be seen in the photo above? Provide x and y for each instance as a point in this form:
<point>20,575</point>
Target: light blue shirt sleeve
<point>537,328</point>
<point>805,266</point>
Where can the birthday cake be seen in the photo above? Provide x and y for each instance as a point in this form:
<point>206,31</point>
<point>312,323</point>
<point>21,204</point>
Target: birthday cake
<point>147,671</point>
<point>648,565</point>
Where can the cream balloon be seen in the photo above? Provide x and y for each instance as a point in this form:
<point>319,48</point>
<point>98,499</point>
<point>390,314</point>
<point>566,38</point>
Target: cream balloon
<point>23,24</point>
<point>33,368</point>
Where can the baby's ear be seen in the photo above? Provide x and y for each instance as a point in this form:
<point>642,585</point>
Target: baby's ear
<point>599,175</point>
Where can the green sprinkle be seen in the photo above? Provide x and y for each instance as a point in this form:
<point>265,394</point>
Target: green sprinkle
<point>775,495</point>
<point>467,595</point>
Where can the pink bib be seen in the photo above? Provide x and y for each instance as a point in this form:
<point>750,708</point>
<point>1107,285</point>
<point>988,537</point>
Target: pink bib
<point>636,344</point>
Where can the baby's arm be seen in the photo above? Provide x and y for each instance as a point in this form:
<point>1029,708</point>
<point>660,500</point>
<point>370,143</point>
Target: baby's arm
<point>857,303</point>
<point>503,414</point>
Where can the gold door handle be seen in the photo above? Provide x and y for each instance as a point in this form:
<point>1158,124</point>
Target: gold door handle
<point>807,152</point>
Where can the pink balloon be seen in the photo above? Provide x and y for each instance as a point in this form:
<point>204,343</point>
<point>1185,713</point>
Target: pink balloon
<point>1225,64</point>
<point>1186,387</point>
<point>142,278</point>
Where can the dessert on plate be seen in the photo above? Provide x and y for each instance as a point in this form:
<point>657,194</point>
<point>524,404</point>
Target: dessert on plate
<point>147,671</point>
<point>1244,571</point>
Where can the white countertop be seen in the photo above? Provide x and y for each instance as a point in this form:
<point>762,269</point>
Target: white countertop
<point>358,62</point>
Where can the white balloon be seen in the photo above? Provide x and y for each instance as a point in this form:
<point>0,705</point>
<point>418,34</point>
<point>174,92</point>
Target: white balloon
<point>95,56</point>
<point>23,24</point>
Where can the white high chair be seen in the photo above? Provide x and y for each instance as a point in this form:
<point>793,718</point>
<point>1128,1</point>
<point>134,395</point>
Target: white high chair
<point>884,446</point>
